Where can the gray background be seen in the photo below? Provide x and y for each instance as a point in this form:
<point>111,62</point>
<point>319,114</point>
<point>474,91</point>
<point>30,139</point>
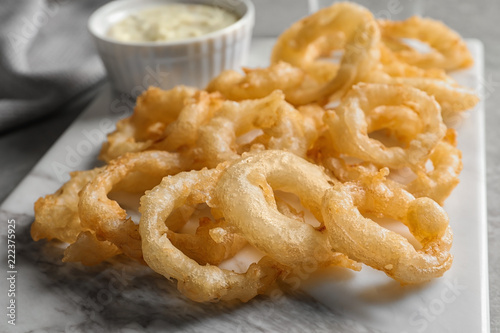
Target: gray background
<point>21,148</point>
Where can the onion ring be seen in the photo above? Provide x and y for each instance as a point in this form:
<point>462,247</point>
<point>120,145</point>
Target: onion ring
<point>438,183</point>
<point>155,109</point>
<point>105,216</point>
<point>136,172</point>
<point>395,67</point>
<point>183,132</point>
<point>257,83</point>
<point>244,196</point>
<point>348,126</point>
<point>199,283</point>
<point>449,50</point>
<point>283,128</point>
<point>338,22</point>
<point>451,97</point>
<point>361,55</point>
<point>56,215</point>
<point>365,241</point>
<point>341,26</point>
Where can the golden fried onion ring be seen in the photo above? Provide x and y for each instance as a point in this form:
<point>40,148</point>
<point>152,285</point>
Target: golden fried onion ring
<point>306,81</point>
<point>105,216</point>
<point>155,109</point>
<point>136,172</point>
<point>361,55</point>
<point>337,23</point>
<point>56,215</point>
<point>438,183</point>
<point>283,128</point>
<point>395,67</point>
<point>257,83</point>
<point>349,124</point>
<point>341,26</point>
<point>199,283</point>
<point>175,130</point>
<point>449,50</point>
<point>246,200</point>
<point>182,133</point>
<point>452,97</point>
<point>366,241</point>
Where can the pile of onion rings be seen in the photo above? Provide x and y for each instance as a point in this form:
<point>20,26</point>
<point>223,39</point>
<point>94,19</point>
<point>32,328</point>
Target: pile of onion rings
<point>368,135</point>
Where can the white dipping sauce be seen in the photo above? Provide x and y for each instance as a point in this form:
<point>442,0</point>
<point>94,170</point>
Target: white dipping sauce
<point>171,22</point>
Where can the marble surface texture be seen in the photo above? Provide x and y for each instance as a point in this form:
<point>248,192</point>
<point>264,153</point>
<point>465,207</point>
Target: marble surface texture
<point>123,298</point>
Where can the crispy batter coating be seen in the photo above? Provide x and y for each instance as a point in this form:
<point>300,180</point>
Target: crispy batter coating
<point>357,115</point>
<point>449,50</point>
<point>365,241</point>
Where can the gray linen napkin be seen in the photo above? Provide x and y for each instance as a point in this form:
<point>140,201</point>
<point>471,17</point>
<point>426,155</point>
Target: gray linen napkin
<point>47,56</point>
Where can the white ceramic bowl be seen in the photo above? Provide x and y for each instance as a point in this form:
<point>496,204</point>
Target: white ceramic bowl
<point>132,67</point>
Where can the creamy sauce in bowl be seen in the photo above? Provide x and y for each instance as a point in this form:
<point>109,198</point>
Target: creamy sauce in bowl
<point>171,22</point>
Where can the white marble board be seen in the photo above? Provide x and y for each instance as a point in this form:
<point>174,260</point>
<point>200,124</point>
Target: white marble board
<point>56,297</point>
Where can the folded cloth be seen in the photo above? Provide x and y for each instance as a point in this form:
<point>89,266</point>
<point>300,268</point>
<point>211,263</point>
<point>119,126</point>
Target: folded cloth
<point>47,56</point>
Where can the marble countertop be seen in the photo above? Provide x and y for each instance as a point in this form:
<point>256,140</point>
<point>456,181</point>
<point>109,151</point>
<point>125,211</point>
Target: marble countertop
<point>23,147</point>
